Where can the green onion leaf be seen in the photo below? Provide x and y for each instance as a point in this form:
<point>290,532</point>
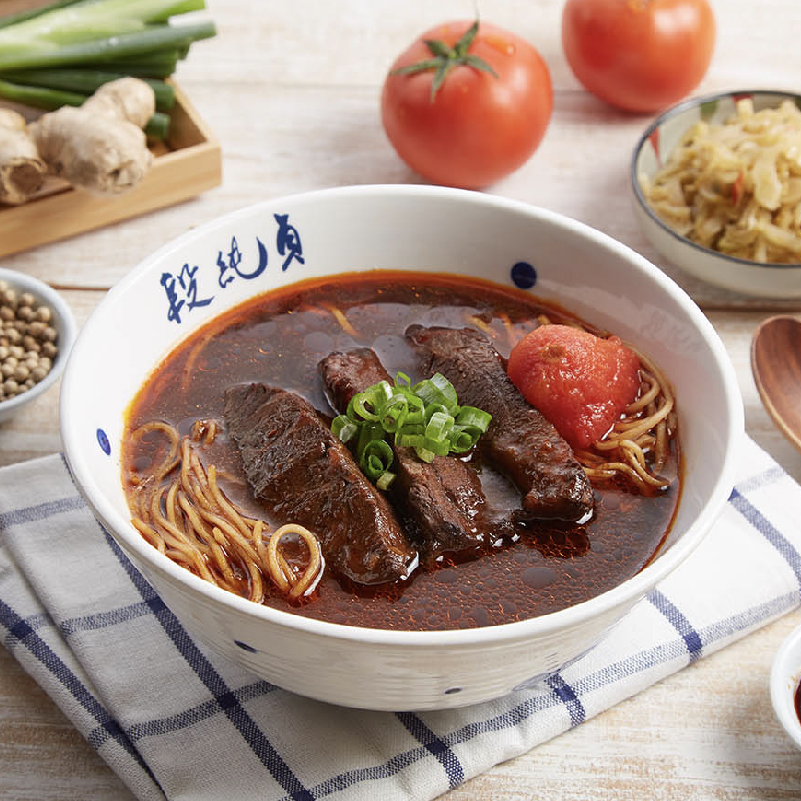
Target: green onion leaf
<point>376,458</point>
<point>394,413</point>
<point>385,480</point>
<point>471,416</point>
<point>361,405</point>
<point>437,389</point>
<point>344,428</point>
<point>461,441</point>
<point>439,426</point>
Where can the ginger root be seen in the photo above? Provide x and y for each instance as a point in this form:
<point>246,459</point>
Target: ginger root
<point>99,146</point>
<point>22,172</point>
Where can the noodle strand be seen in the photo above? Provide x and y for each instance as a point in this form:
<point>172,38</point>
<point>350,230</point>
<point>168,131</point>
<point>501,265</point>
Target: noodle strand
<point>189,520</point>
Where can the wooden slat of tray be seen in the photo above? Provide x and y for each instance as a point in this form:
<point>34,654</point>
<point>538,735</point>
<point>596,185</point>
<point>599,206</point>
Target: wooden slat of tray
<point>190,163</point>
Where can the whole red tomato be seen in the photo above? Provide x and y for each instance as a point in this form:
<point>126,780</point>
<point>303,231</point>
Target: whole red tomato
<point>639,55</point>
<point>466,104</point>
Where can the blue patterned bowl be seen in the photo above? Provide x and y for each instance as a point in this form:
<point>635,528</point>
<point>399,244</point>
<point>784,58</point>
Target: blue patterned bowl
<point>279,242</point>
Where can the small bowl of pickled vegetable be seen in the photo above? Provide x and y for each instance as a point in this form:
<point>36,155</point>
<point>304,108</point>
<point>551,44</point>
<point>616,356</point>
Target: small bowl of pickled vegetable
<point>717,190</point>
<point>785,685</point>
<point>36,333</point>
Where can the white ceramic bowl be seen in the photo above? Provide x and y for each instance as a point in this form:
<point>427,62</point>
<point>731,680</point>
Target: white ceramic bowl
<point>785,676</point>
<point>417,228</point>
<point>740,275</point>
<point>62,321</point>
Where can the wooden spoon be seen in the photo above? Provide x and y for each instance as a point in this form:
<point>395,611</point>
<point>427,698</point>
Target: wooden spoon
<point>776,365</point>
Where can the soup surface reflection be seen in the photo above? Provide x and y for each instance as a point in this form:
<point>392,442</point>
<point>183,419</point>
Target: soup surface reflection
<point>279,338</point>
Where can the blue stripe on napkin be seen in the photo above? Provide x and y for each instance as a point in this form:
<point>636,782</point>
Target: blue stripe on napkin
<point>31,514</point>
<point>758,520</point>
<point>435,746</point>
<point>679,622</point>
<point>565,693</point>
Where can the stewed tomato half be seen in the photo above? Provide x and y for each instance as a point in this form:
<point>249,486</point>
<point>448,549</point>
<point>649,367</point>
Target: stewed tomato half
<point>581,382</point>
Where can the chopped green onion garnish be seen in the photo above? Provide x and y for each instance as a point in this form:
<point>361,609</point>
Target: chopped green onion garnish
<point>344,428</point>
<point>471,416</point>
<point>439,425</point>
<point>425,417</point>
<point>385,480</point>
<point>376,459</point>
<point>461,440</point>
<point>395,413</point>
<point>437,389</point>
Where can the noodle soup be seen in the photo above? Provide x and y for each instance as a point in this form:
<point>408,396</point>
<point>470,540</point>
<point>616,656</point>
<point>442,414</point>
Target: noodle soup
<point>190,497</point>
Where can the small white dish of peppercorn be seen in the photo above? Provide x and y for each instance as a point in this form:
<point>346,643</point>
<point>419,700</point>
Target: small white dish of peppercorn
<point>37,330</point>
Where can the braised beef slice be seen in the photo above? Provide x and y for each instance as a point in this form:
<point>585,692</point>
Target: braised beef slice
<point>520,442</point>
<point>305,475</point>
<point>443,498</point>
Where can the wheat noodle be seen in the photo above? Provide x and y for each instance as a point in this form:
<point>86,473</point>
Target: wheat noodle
<point>188,519</point>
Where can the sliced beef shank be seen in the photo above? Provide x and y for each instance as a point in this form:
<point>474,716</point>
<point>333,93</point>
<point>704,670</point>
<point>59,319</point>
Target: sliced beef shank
<point>519,441</point>
<point>305,475</point>
<point>444,497</point>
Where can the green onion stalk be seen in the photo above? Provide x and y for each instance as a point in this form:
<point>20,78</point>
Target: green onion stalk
<point>84,82</point>
<point>157,126</point>
<point>61,53</point>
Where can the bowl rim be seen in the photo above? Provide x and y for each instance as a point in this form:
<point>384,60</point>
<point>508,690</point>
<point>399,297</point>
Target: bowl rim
<point>785,675</point>
<point>675,111</point>
<point>67,335</point>
<point>627,592</point>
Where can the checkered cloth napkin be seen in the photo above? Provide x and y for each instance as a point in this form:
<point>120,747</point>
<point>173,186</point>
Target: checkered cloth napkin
<point>174,720</point>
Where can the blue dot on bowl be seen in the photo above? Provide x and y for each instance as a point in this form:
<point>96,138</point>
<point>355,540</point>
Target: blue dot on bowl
<point>245,647</point>
<point>524,275</point>
<point>102,440</point>
<point>452,690</point>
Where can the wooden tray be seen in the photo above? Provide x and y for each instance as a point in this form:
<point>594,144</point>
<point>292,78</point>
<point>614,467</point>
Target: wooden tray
<point>188,163</point>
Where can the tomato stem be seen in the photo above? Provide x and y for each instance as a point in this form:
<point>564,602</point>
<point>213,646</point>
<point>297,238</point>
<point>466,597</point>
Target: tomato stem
<point>445,58</point>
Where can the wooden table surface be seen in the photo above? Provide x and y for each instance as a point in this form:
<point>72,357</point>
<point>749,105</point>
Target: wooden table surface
<point>292,93</point>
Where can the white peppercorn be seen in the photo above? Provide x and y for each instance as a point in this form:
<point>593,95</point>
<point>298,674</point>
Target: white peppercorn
<point>36,328</point>
<point>28,341</point>
<point>13,335</point>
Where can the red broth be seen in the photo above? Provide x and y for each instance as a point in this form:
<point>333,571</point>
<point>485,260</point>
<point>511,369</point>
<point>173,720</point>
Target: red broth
<point>279,337</point>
